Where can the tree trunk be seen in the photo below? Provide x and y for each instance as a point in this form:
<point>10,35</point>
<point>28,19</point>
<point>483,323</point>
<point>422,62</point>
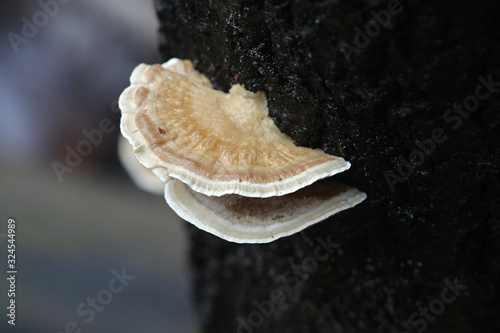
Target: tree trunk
<point>407,92</point>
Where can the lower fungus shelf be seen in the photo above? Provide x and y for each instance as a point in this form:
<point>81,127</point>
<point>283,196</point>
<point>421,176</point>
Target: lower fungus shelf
<point>260,220</point>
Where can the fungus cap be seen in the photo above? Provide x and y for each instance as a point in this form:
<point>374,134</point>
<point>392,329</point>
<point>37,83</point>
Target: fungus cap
<point>217,143</point>
<point>260,220</point>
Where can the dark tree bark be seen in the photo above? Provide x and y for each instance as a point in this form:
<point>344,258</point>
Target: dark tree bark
<point>432,217</point>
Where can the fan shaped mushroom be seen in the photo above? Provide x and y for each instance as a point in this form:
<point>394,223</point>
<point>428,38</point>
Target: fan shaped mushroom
<point>242,219</point>
<point>227,168</point>
<point>216,143</point>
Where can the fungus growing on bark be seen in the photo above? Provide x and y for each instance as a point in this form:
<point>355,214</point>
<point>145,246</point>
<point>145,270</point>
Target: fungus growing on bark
<point>242,219</point>
<point>216,143</point>
<point>227,168</point>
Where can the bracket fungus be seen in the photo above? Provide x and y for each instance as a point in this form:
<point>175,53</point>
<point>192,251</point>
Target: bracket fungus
<point>227,167</point>
<point>217,143</point>
<point>242,219</point>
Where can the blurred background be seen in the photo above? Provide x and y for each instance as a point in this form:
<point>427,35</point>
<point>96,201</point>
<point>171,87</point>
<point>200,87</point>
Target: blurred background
<point>64,64</point>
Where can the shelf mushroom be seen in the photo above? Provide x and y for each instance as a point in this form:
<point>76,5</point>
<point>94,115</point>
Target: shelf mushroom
<point>221,144</point>
<point>242,219</point>
<point>216,143</point>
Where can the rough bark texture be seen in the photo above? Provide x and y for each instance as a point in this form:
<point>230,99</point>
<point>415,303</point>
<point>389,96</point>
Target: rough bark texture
<point>439,221</point>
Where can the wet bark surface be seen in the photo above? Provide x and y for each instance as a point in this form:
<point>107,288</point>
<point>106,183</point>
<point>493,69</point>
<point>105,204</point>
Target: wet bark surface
<point>408,93</point>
